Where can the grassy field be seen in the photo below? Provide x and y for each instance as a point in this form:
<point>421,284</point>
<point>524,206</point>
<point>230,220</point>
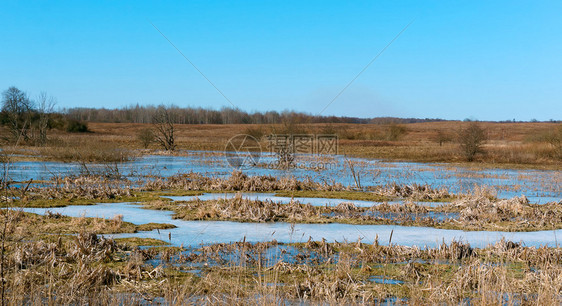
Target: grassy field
<point>508,145</point>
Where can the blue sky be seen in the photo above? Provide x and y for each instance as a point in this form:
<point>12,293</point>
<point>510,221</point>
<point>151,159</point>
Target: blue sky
<point>486,60</point>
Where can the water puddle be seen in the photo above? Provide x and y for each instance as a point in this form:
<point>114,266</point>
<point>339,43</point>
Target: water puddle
<point>194,233</point>
<point>379,279</point>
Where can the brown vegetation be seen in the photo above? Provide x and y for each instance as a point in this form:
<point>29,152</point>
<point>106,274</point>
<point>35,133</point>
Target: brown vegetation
<point>469,212</point>
<point>44,264</point>
<point>89,269</point>
<point>507,145</point>
<point>471,140</point>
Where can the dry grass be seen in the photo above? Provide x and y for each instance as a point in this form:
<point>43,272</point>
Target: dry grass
<point>23,226</point>
<point>96,271</point>
<point>507,145</point>
<point>469,212</point>
<point>45,265</point>
<point>475,210</point>
<point>237,181</point>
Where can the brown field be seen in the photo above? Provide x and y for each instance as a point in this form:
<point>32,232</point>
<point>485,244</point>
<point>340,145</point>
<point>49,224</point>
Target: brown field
<point>508,145</point>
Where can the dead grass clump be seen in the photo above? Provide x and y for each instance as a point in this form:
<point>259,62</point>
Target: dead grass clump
<point>237,181</point>
<point>517,212</point>
<point>414,191</point>
<point>400,208</point>
<point>244,210</point>
<point>82,187</point>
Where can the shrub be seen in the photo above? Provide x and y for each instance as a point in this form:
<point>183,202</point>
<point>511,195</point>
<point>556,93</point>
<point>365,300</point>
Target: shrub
<point>75,126</point>
<point>471,139</point>
<point>146,137</point>
<point>394,132</point>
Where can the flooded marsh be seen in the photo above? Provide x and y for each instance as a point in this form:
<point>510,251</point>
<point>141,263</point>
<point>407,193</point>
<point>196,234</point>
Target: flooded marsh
<point>169,223</point>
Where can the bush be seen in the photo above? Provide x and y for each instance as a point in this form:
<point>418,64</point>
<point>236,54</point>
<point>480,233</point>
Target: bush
<point>471,139</point>
<point>394,132</point>
<point>75,126</point>
<point>146,137</point>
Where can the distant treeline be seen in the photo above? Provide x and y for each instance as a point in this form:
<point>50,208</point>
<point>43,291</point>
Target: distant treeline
<point>197,115</point>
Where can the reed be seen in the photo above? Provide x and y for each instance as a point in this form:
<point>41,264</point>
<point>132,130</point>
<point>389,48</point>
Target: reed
<point>86,268</point>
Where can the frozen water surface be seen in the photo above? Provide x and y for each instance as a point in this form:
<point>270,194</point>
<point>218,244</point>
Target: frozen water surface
<point>539,185</point>
<point>192,233</point>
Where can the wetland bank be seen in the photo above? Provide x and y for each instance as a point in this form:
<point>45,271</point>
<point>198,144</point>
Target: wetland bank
<point>188,229</point>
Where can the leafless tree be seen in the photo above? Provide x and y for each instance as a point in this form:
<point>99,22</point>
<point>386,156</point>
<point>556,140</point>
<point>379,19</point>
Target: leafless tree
<point>164,129</point>
<point>226,115</point>
<point>45,106</point>
<point>471,139</point>
<point>18,108</point>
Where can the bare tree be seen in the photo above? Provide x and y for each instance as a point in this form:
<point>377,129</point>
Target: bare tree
<point>164,129</point>
<point>471,139</point>
<point>18,108</point>
<point>45,106</point>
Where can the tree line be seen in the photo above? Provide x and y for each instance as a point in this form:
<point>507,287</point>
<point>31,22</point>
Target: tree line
<point>27,120</point>
<point>226,115</point>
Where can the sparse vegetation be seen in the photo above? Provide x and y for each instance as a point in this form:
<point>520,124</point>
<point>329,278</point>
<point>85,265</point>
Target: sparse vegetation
<point>553,138</point>
<point>85,152</point>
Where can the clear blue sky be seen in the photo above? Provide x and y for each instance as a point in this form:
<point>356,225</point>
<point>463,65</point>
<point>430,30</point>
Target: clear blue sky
<point>486,60</point>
